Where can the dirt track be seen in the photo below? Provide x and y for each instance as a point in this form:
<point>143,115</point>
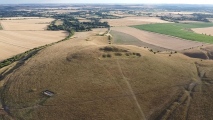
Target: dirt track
<point>164,41</point>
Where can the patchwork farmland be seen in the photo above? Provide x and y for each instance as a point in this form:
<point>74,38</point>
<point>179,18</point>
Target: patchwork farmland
<point>105,70</point>
<point>179,30</point>
<point>16,38</point>
<point>160,40</point>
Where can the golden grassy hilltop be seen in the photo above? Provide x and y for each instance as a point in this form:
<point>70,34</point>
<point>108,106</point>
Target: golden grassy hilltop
<point>94,80</point>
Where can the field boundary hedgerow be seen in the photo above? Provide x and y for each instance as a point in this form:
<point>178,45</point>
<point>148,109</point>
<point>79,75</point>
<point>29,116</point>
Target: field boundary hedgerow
<point>179,30</point>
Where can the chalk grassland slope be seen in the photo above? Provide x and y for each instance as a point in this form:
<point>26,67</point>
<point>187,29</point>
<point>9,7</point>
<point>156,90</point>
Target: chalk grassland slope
<point>121,38</point>
<point>26,23</point>
<point>88,86</point>
<point>15,42</point>
<point>179,30</point>
<point>133,21</point>
<point>207,31</point>
<point>163,41</point>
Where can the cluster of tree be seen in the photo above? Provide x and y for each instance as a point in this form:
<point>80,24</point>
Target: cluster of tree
<point>203,15</point>
<point>105,15</point>
<point>196,17</point>
<point>70,23</point>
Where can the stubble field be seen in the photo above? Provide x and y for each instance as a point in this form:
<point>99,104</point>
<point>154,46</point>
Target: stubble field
<point>163,41</point>
<point>20,35</point>
<point>26,23</point>
<point>121,38</point>
<point>127,21</point>
<point>207,31</point>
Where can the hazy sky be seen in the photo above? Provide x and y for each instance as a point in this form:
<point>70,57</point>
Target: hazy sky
<point>108,1</point>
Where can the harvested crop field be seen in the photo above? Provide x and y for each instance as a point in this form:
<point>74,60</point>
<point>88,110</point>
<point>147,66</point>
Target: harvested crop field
<point>26,23</point>
<point>15,42</point>
<point>121,38</point>
<point>133,21</point>
<point>21,18</point>
<point>207,31</point>
<point>179,30</point>
<point>160,40</point>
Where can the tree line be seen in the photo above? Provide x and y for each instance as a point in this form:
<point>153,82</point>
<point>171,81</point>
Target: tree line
<point>196,17</point>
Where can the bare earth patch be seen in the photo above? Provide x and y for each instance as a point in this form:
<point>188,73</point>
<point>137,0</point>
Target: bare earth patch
<point>164,41</point>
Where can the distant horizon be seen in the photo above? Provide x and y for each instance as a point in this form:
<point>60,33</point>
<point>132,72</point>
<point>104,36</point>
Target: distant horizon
<point>110,3</point>
<point>193,2</point>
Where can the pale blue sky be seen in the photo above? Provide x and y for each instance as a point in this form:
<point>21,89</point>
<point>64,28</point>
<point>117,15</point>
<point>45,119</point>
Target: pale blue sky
<point>108,1</point>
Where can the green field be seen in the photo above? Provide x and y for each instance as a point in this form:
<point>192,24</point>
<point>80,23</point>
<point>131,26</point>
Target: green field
<point>179,30</point>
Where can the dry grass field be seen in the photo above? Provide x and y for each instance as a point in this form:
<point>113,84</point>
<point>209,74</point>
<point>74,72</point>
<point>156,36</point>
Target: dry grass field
<point>133,21</point>
<point>207,31</point>
<point>88,85</point>
<point>63,11</point>
<point>21,18</point>
<point>163,41</point>
<point>15,42</point>
<point>20,34</point>
<point>26,23</point>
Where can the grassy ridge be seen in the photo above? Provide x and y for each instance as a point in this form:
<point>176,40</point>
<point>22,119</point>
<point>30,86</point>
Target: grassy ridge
<point>179,30</point>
